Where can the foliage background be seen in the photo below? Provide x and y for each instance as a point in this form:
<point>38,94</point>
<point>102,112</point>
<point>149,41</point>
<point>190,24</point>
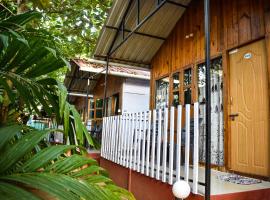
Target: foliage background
<point>75,24</point>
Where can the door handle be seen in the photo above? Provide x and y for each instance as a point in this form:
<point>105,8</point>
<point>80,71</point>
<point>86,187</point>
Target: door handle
<point>233,116</point>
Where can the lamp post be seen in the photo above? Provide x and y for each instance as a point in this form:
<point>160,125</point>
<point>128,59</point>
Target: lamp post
<point>181,189</point>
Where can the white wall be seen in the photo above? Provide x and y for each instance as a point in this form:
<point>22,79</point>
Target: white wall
<point>136,94</point>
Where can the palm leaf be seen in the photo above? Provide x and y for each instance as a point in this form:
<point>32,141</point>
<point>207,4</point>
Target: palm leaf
<point>43,157</point>
<point>20,148</point>
<point>12,192</point>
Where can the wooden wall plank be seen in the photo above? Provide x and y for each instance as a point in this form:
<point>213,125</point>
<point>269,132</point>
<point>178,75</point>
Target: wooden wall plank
<point>233,23</point>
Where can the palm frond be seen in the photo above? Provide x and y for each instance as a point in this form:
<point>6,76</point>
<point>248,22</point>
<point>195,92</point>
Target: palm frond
<point>50,170</point>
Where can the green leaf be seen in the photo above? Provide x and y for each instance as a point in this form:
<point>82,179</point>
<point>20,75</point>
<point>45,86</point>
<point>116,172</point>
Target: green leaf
<point>98,179</point>
<point>13,192</point>
<point>59,186</point>
<point>87,171</point>
<point>20,148</point>
<point>43,157</point>
<point>69,164</point>
<point>7,133</point>
<point>4,40</point>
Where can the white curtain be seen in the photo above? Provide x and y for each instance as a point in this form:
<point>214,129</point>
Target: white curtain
<point>217,122</point>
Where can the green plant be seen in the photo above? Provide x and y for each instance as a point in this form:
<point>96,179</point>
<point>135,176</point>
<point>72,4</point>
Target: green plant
<point>27,57</point>
<point>29,167</point>
<point>30,171</point>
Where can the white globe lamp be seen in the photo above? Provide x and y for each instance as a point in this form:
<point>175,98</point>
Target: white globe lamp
<point>181,189</point>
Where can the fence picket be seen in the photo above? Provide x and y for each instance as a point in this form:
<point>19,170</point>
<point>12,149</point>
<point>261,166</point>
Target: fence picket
<point>143,142</point>
<point>131,143</point>
<point>120,140</point>
<point>153,146</point>
<point>128,140</point>
<point>135,142</point>
<point>171,145</point>
<point>103,137</point>
<point>148,143</point>
<point>109,137</point>
<point>196,149</point>
<point>112,138</point>
<point>139,143</point>
<point>117,138</point>
<point>165,142</point>
<point>178,146</point>
<point>125,140</point>
<point>187,142</point>
<point>158,144</point>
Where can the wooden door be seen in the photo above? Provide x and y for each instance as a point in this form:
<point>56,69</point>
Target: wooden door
<point>249,110</point>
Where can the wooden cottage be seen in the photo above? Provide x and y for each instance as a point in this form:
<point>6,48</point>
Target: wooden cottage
<point>168,38</point>
<point>128,89</point>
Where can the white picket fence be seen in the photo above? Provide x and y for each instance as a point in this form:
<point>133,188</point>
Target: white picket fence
<point>146,142</point>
